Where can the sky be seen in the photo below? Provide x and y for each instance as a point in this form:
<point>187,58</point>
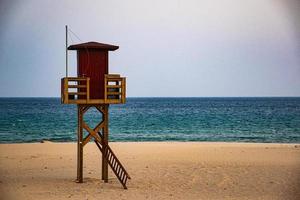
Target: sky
<point>168,48</point>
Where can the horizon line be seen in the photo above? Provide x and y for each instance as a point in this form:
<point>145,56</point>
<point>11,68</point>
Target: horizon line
<point>167,97</point>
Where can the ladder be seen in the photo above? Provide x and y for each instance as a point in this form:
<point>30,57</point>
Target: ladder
<point>113,161</point>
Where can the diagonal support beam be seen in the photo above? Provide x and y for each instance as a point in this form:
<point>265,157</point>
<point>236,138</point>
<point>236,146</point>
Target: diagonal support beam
<point>99,126</point>
<point>100,109</point>
<point>96,130</point>
<point>84,109</point>
<point>86,139</point>
<point>91,132</point>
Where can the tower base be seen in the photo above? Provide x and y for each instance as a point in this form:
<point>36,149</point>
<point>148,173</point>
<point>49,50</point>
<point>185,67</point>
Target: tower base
<point>100,136</point>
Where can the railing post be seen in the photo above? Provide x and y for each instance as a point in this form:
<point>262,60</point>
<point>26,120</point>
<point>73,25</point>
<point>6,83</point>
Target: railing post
<point>105,88</point>
<point>123,96</point>
<point>87,89</point>
<point>66,94</point>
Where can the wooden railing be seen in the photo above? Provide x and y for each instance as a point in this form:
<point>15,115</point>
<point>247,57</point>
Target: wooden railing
<point>76,90</point>
<point>114,88</point>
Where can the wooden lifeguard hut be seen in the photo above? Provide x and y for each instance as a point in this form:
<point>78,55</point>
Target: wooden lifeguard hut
<point>95,87</point>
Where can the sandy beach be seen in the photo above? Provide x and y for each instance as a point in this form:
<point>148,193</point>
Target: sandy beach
<point>159,170</point>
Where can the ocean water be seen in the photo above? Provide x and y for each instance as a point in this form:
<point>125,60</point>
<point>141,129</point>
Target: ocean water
<point>157,119</point>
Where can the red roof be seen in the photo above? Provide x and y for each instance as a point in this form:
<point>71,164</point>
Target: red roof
<point>93,45</point>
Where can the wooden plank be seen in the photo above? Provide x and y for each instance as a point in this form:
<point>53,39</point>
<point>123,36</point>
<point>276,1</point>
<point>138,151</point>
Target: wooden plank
<point>79,145</point>
<point>110,79</point>
<point>114,93</point>
<point>96,101</point>
<point>85,109</point>
<point>100,109</point>
<point>105,144</point>
<point>86,139</point>
<point>112,75</point>
<point>88,89</point>
<point>77,93</point>
<point>66,96</point>
<point>113,101</point>
<point>91,131</point>
<point>77,86</point>
<point>99,126</point>
<point>105,88</point>
<point>123,90</point>
<point>114,86</point>
<point>77,78</point>
<point>77,101</point>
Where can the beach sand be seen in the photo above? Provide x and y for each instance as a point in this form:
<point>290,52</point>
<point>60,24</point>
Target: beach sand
<point>159,170</point>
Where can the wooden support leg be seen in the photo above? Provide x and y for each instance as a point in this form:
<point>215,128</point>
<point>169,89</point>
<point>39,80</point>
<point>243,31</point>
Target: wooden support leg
<point>105,143</point>
<point>80,146</point>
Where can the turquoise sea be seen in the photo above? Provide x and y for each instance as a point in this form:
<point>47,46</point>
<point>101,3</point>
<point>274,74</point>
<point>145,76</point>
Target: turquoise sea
<point>158,119</point>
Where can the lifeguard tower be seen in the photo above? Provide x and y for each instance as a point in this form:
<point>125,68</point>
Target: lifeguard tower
<point>95,87</point>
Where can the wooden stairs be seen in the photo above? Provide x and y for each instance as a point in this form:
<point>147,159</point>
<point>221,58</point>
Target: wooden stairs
<point>113,161</point>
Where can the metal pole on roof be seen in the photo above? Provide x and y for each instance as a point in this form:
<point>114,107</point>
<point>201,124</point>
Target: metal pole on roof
<point>66,50</point>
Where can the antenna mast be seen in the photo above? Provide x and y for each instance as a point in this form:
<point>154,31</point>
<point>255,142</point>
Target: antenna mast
<point>66,50</point>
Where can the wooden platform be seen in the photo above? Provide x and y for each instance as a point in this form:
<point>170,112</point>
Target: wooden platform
<point>76,90</point>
